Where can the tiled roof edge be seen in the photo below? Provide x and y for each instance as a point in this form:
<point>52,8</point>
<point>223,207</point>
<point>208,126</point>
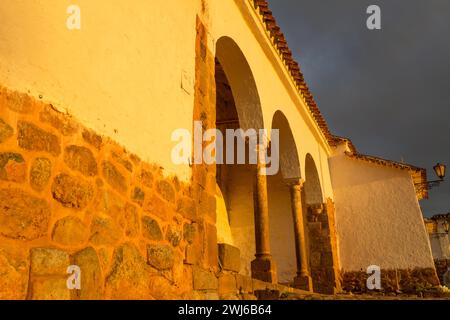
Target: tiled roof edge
<point>421,192</point>
<point>280,44</point>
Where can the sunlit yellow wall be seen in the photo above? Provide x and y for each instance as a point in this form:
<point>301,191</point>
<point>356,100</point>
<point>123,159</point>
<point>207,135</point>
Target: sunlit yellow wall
<point>129,72</point>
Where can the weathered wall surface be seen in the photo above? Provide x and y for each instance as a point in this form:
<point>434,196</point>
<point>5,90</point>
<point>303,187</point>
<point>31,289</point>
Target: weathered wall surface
<point>379,222</point>
<point>378,218</point>
<point>69,196</point>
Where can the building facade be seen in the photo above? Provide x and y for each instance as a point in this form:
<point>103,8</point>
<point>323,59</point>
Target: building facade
<point>437,227</point>
<point>87,177</point>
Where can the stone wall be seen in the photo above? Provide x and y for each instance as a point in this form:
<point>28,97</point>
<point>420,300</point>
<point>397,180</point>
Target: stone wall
<point>323,248</point>
<point>69,196</point>
<point>442,266</point>
<point>410,281</point>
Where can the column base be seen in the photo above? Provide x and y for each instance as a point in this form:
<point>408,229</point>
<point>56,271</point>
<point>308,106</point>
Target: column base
<point>264,269</point>
<point>303,283</point>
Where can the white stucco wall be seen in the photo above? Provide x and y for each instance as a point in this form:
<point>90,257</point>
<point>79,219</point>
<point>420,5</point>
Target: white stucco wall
<point>121,74</point>
<point>378,218</point>
<point>241,214</point>
<point>282,240</point>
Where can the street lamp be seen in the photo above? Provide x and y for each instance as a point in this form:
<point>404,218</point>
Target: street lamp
<point>445,225</point>
<point>439,169</point>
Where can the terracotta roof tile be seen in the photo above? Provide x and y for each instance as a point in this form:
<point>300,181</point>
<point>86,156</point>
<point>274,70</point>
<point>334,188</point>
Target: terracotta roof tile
<point>280,43</point>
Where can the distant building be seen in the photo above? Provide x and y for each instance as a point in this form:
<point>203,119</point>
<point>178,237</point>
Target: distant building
<point>439,237</point>
<point>440,245</point>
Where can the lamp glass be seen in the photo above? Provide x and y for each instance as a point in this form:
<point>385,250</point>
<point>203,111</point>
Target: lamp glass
<point>440,170</point>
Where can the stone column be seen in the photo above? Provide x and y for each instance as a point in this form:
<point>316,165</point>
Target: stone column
<point>263,267</point>
<point>303,279</point>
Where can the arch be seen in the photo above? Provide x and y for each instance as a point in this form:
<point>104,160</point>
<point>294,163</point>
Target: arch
<point>313,187</point>
<point>282,238</point>
<point>242,83</point>
<point>237,107</point>
<point>288,154</point>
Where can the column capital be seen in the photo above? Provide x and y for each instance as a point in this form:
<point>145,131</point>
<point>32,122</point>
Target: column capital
<point>295,182</point>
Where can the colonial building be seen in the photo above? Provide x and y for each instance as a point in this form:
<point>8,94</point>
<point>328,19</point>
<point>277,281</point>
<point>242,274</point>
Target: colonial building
<point>87,177</point>
<point>438,231</point>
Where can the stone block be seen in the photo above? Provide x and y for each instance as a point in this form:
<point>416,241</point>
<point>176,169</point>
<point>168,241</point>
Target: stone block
<point>31,137</point>
<point>14,268</point>
<point>194,253</point>
<point>93,139</point>
<point>40,173</point>
<point>160,257</point>
<point>61,122</point>
<point>174,235</point>
<point>6,131</point>
<point>123,161</point>
<point>22,216</point>
<point>147,178</point>
<point>211,252</point>
<point>132,226</point>
<point>244,283</point>
<point>166,190</point>
<point>129,276</point>
<point>189,232</point>
<point>227,284</point>
<point>114,177</point>
<point>42,288</point>
<point>229,257</point>
<point>315,259</point>
<point>138,196</point>
<point>18,102</point>
<point>327,258</point>
<point>49,262</point>
<point>104,231</point>
<point>154,205</point>
<point>303,283</point>
<point>12,167</point>
<point>203,279</point>
<point>70,231</point>
<point>91,275</point>
<point>186,206</point>
<point>81,159</point>
<point>71,191</point>
<point>151,229</point>
<point>264,269</point>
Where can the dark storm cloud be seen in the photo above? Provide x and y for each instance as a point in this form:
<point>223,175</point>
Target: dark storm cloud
<point>388,90</point>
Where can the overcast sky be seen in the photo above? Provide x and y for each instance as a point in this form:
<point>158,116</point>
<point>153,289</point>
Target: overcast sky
<point>388,90</point>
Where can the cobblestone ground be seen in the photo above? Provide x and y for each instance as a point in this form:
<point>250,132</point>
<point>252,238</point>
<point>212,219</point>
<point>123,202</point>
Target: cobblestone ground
<point>380,296</point>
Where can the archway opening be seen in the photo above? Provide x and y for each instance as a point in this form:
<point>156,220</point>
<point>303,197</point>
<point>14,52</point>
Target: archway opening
<point>282,237</point>
<point>320,226</point>
<point>237,107</point>
<point>313,188</point>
